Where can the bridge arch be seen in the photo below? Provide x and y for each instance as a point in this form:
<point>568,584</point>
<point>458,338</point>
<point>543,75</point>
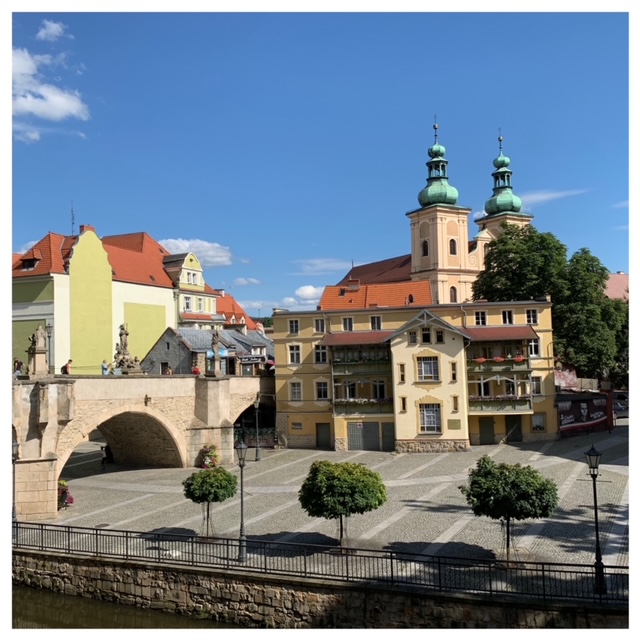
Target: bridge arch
<point>137,435</point>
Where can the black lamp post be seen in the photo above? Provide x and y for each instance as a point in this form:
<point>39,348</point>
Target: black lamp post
<point>241,449</point>
<point>593,460</point>
<point>256,406</point>
<point>15,456</point>
<point>49,328</point>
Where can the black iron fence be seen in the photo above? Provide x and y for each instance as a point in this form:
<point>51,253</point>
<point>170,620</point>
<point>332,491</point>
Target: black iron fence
<point>493,578</point>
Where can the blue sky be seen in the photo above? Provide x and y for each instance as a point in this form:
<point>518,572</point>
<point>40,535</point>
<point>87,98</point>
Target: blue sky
<point>281,148</point>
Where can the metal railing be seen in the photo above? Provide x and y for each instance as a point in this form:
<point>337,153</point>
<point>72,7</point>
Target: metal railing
<point>493,578</point>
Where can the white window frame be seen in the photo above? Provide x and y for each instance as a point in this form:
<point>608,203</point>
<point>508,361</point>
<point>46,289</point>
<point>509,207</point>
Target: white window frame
<point>454,372</point>
<point>295,391</point>
<point>507,316</point>
<point>376,323</point>
<point>532,316</point>
<point>539,422</point>
<point>455,403</point>
<point>481,318</point>
<point>536,385</point>
<point>320,354</point>
<point>324,394</point>
<point>294,327</point>
<point>350,390</point>
<point>439,336</point>
<point>378,389</point>
<point>428,369</point>
<point>412,337</point>
<point>318,325</point>
<point>534,348</point>
<point>347,324</point>
<point>294,354</point>
<point>425,335</point>
<point>401,372</point>
<point>430,418</point>
<point>187,303</point>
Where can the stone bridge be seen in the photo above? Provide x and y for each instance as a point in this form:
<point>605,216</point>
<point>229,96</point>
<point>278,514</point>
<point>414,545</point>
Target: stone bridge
<point>160,421</point>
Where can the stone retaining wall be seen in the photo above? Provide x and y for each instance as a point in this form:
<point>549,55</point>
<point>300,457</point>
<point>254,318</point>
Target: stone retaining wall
<point>266,601</point>
<point>431,446</point>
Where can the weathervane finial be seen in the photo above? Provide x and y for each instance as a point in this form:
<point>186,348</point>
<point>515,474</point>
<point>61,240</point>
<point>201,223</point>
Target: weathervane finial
<point>435,127</point>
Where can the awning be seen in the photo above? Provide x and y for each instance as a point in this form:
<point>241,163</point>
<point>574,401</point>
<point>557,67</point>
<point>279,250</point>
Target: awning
<point>503,332</point>
<point>346,338</point>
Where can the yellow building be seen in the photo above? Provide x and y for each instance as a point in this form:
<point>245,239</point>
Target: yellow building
<point>397,356</point>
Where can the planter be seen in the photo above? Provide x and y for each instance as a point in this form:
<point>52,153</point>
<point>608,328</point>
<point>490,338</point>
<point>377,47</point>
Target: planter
<point>481,360</point>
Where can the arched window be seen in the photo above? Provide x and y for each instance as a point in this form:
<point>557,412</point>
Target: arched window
<point>453,294</point>
<point>453,247</point>
<point>425,248</point>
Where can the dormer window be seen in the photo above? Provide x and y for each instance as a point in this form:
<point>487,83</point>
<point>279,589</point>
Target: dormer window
<point>29,264</point>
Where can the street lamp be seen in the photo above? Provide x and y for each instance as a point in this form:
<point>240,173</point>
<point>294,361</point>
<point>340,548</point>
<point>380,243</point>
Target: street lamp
<point>15,456</point>
<point>256,406</point>
<point>49,328</point>
<point>593,460</point>
<point>241,449</point>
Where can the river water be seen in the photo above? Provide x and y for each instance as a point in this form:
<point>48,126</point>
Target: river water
<point>40,609</point>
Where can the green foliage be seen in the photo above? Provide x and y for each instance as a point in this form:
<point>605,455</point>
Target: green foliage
<point>521,264</point>
<point>509,491</point>
<point>589,332</point>
<point>336,490</point>
<point>210,485</point>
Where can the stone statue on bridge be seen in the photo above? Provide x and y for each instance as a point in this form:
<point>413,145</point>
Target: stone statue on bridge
<point>122,357</point>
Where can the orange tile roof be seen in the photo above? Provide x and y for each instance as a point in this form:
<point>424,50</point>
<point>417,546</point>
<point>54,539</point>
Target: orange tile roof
<point>618,286</point>
<point>229,308</point>
<point>51,253</point>
<point>371,296</point>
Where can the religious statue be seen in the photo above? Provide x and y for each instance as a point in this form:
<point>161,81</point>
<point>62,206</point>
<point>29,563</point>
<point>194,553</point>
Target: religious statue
<point>40,341</point>
<point>124,341</point>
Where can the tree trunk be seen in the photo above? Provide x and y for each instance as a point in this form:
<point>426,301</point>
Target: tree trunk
<point>508,520</point>
<point>208,519</point>
<point>341,530</point>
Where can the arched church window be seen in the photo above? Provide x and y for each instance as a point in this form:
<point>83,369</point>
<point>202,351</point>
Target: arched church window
<point>453,294</point>
<point>453,247</point>
<point>425,248</point>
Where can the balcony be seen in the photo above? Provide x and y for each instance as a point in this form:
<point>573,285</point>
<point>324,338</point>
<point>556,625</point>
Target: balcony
<point>498,365</point>
<point>361,367</point>
<point>358,406</point>
<point>482,405</point>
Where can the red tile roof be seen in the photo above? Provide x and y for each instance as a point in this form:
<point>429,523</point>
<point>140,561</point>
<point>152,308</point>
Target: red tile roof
<point>503,332</point>
<point>230,309</point>
<point>355,337</point>
<point>205,317</point>
<point>51,253</point>
<point>353,296</point>
<point>618,286</point>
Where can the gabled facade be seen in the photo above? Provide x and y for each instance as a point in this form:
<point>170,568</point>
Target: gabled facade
<point>83,288</point>
<point>397,356</point>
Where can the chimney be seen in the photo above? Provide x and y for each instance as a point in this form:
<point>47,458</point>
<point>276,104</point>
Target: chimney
<point>86,227</point>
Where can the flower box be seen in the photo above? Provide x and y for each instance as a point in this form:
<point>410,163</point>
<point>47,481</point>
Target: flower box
<point>481,360</point>
<point>518,359</point>
<point>498,359</point>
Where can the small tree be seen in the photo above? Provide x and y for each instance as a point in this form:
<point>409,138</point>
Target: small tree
<point>509,492</point>
<point>210,485</point>
<point>334,490</point>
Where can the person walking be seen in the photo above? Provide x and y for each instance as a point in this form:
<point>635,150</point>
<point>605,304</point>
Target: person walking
<point>103,458</point>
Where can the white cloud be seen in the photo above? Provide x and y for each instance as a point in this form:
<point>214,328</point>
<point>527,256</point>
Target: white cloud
<point>34,96</point>
<point>309,293</point>
<point>241,282</point>
<point>25,247</point>
<point>210,254</point>
<point>533,198</point>
<point>624,204</point>
<point>51,31</point>
<point>319,266</point>
<point>478,214</point>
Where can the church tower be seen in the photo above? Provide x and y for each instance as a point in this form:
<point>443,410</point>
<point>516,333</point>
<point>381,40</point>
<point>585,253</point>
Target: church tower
<point>439,235</point>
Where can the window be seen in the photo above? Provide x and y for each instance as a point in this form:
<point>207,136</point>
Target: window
<point>483,389</point>
<point>378,389</point>
<point>188,277</point>
<point>430,421</point>
<point>199,304</point>
<point>293,326</point>
<point>376,323</point>
<point>187,303</point>
<point>403,404</point>
<point>439,336</point>
<point>481,318</point>
<point>539,422</point>
<point>534,348</point>
<point>425,248</point>
<point>347,324</point>
<point>319,325</point>
<point>453,294</point>
<point>413,337</point>
<point>453,248</point>
<point>295,391</point>
<point>507,317</point>
<point>350,390</point>
<point>510,387</point>
<point>426,336</point>
<point>320,353</point>
<point>401,372</point>
<point>428,369</point>
<point>532,316</point>
<point>322,391</point>
<point>454,372</point>
<point>454,403</point>
<point>536,385</point>
<point>294,354</point>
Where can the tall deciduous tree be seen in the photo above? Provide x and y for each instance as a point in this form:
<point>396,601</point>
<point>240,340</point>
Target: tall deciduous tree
<point>210,485</point>
<point>338,489</point>
<point>509,492</point>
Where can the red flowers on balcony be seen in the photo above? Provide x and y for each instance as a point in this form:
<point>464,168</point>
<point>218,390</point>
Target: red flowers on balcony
<point>518,359</point>
<point>481,360</point>
<point>498,359</point>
